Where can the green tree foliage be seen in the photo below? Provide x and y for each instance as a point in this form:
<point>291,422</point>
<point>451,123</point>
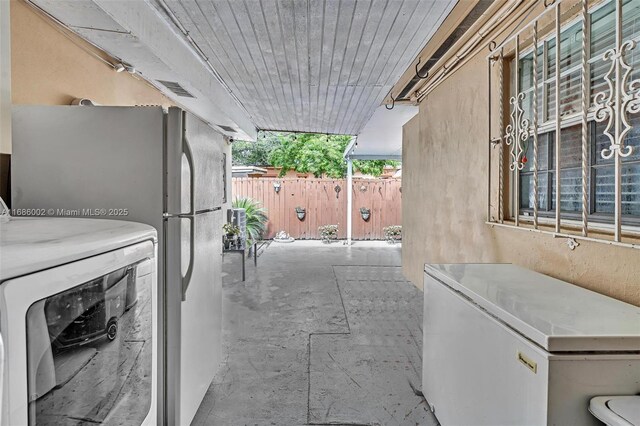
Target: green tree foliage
<point>373,167</point>
<point>313,153</point>
<point>247,153</point>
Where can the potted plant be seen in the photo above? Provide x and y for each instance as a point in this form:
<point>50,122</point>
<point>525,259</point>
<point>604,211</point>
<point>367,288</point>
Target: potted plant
<point>328,233</point>
<point>301,212</point>
<point>365,213</point>
<point>392,233</point>
<point>283,237</point>
<point>231,233</point>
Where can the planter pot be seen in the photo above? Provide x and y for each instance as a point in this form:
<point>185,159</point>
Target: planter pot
<point>284,240</point>
<point>392,239</point>
<point>301,213</point>
<point>365,214</point>
<point>230,240</point>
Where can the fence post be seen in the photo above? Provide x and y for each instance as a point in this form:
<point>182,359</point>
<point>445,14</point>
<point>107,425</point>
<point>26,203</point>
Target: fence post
<point>349,197</point>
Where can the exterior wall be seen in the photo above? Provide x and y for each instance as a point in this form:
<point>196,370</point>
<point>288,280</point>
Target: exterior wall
<point>412,220</point>
<point>5,78</point>
<point>445,195</point>
<point>52,66</point>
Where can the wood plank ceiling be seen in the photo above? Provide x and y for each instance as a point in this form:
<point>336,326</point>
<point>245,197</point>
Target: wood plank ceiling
<point>310,65</point>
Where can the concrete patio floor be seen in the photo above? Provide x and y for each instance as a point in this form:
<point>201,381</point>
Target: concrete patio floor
<point>319,334</point>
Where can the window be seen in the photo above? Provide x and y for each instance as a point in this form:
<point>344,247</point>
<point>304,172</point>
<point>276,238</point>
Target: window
<point>600,175</point>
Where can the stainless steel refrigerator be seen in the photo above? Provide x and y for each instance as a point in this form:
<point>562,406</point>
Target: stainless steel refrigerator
<point>152,165</point>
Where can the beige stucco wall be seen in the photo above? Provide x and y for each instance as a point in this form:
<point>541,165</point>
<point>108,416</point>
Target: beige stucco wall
<point>5,78</point>
<point>52,66</point>
<point>410,197</point>
<point>445,200</point>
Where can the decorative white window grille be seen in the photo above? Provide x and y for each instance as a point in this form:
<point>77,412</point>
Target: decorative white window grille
<point>571,169</point>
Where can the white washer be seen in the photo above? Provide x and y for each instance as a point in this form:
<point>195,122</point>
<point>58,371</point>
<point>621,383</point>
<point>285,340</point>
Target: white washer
<point>78,309</point>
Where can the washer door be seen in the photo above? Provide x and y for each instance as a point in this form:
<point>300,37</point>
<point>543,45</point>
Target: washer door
<point>89,348</point>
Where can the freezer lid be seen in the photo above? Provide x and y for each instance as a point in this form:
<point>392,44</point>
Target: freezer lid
<point>556,315</point>
<point>28,245</point>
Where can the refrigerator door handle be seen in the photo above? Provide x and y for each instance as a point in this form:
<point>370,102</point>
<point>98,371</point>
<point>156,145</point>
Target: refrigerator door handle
<point>186,279</point>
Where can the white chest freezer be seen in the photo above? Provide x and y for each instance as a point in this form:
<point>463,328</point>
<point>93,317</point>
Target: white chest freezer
<point>507,346</point>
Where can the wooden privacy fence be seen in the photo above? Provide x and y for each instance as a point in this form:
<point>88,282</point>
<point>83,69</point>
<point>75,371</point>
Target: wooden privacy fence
<point>324,205</point>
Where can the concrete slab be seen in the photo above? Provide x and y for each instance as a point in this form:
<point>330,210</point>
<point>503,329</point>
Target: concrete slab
<point>276,325</point>
<point>370,375</point>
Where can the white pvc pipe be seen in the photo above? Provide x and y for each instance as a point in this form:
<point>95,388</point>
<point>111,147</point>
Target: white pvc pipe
<point>349,197</point>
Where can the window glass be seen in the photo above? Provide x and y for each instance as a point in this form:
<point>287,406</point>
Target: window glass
<point>631,30</point>
<point>571,47</point>
<point>631,19</point>
<point>527,105</point>
<point>551,59</point>
<point>550,91</point>
<point>526,176</point>
<point>571,147</point>
<point>602,29</point>
<point>598,84</point>
<point>605,188</point>
<point>543,153</point>
<point>526,191</point>
<point>570,50</point>
<point>570,93</point>
<point>570,191</point>
<point>526,72</point>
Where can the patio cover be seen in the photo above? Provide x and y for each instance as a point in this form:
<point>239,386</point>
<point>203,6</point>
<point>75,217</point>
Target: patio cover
<point>381,137</point>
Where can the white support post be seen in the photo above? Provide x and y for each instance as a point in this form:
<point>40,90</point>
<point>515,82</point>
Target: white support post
<point>349,197</point>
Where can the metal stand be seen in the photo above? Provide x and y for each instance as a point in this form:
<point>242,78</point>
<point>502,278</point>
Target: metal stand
<point>241,251</point>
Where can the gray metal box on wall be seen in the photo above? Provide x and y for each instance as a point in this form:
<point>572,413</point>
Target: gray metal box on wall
<point>239,218</point>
